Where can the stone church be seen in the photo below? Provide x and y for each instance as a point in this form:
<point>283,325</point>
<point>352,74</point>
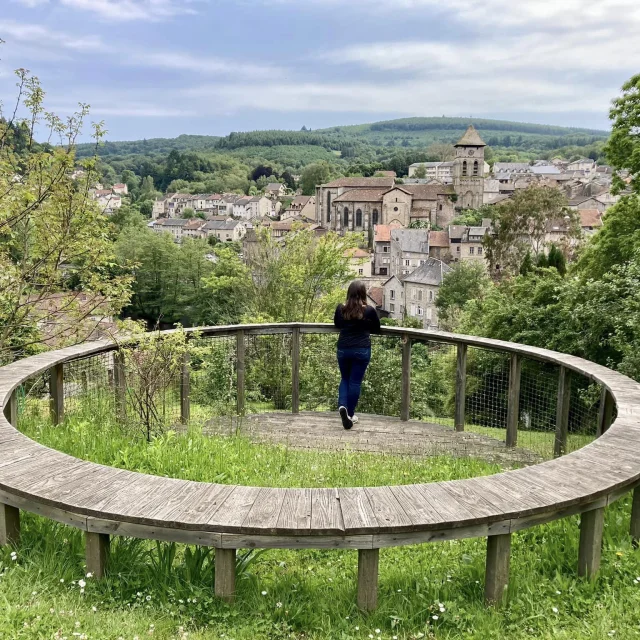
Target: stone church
<point>358,204</point>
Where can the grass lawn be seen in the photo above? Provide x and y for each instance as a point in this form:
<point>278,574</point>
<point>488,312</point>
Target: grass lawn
<point>428,591</point>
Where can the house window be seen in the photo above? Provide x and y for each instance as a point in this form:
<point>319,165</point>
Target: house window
<point>385,249</point>
<point>420,311</point>
<point>420,295</point>
<point>392,307</point>
<point>385,260</point>
<point>479,251</point>
<point>458,249</point>
<point>359,218</point>
<point>422,262</point>
<point>464,168</point>
<point>383,271</point>
<point>471,251</point>
<point>406,263</point>
<point>475,168</point>
<point>374,216</point>
<point>329,206</point>
<point>430,296</point>
<point>392,294</point>
<point>440,208</point>
<point>345,217</point>
<point>360,272</point>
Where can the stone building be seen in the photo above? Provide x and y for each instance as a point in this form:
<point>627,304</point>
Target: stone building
<point>469,170</point>
<point>409,250</point>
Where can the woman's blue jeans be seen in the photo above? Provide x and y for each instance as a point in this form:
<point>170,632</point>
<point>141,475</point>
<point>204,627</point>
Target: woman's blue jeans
<point>353,365</point>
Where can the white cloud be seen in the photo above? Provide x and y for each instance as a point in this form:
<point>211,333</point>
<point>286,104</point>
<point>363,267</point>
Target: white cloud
<point>42,38</point>
<point>31,3</point>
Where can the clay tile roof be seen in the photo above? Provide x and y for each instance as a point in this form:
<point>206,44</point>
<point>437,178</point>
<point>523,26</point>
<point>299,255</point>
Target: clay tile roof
<point>590,218</point>
<point>438,239</point>
<point>427,191</point>
<point>361,195</point>
<point>355,253</point>
<point>362,183</point>
<point>376,294</point>
<point>471,138</point>
<point>383,232</point>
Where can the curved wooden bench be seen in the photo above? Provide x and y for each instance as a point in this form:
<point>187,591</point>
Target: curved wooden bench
<point>104,501</point>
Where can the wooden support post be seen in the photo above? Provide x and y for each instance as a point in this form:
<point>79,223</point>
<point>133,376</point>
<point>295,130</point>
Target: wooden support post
<point>11,409</point>
<point>405,408</point>
<point>225,574</point>
<point>591,527</point>
<point>461,381</point>
<point>56,393</point>
<point>605,413</point>
<point>295,370</point>
<point>185,389</point>
<point>9,525</point>
<point>240,351</point>
<point>635,517</point>
<point>496,578</point>
<point>513,407</point>
<point>368,579</point>
<point>562,412</point>
<point>120,384</point>
<point>96,553</point>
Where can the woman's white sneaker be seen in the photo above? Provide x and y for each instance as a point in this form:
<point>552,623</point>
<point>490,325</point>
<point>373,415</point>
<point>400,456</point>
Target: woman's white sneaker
<point>347,423</point>
<point>354,419</point>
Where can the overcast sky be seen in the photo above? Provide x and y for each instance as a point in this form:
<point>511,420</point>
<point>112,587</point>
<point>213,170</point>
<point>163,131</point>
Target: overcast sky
<point>159,68</point>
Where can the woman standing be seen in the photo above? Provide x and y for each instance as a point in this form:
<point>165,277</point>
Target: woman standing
<point>356,322</point>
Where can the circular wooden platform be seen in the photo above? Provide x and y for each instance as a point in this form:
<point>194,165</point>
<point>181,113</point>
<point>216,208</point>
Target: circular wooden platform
<point>372,434</point>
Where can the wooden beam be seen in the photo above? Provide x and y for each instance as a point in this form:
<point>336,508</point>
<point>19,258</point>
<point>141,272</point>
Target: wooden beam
<point>11,409</point>
<point>405,408</point>
<point>461,381</point>
<point>605,412</point>
<point>96,547</point>
<point>295,370</point>
<point>120,384</point>
<point>591,527</point>
<point>562,412</point>
<point>225,574</point>
<point>185,389</point>
<point>513,407</point>
<point>496,579</point>
<point>56,393</point>
<point>240,353</point>
<point>368,560</point>
<point>9,525</point>
<point>635,517</point>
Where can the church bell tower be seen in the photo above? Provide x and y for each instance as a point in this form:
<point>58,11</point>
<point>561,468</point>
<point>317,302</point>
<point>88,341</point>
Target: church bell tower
<point>468,170</point>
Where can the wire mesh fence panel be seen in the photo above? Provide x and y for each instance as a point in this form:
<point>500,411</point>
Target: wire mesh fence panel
<point>583,411</point>
<point>268,372</point>
<point>213,377</point>
<point>33,401</point>
<point>382,386</point>
<point>538,405</point>
<point>319,374</point>
<point>89,387</point>
<point>487,391</point>
<point>433,382</point>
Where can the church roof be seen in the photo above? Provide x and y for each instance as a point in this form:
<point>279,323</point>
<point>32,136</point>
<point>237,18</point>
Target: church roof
<point>428,191</point>
<point>471,138</point>
<point>361,195</point>
<point>362,183</point>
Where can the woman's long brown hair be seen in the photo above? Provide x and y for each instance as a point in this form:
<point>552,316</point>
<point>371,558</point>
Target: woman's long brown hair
<point>353,309</point>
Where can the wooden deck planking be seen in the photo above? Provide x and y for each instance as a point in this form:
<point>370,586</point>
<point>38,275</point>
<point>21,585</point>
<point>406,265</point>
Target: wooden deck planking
<point>326,512</point>
<point>295,514</point>
<point>357,513</point>
<point>388,511</point>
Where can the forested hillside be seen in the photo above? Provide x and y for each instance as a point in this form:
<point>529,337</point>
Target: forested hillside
<point>238,161</point>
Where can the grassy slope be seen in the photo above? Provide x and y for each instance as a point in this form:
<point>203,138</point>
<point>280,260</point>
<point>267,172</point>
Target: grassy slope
<point>310,594</point>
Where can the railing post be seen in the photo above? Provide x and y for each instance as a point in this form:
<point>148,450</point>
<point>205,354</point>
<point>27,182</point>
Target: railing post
<point>295,370</point>
<point>591,527</point>
<point>562,412</point>
<point>96,547</point>
<point>56,393</point>
<point>605,412</point>
<point>496,578</point>
<point>461,380</point>
<point>635,517</point>
<point>11,409</point>
<point>368,560</point>
<point>405,408</point>
<point>9,525</point>
<point>185,389</point>
<point>120,384</point>
<point>240,352</point>
<point>513,407</point>
<point>225,574</point>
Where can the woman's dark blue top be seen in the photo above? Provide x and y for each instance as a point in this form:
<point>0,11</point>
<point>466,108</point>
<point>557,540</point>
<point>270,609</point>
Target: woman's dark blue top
<point>356,334</point>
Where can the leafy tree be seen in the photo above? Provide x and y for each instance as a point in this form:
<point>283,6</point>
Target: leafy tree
<point>557,260</point>
<point>474,217</point>
<point>314,174</point>
<point>146,208</point>
<point>420,172</point>
<point>441,152</point>
<point>521,224</point>
<point>56,246</point>
<point>527,265</point>
<point>188,213</point>
<point>466,281</point>
<point>623,148</point>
